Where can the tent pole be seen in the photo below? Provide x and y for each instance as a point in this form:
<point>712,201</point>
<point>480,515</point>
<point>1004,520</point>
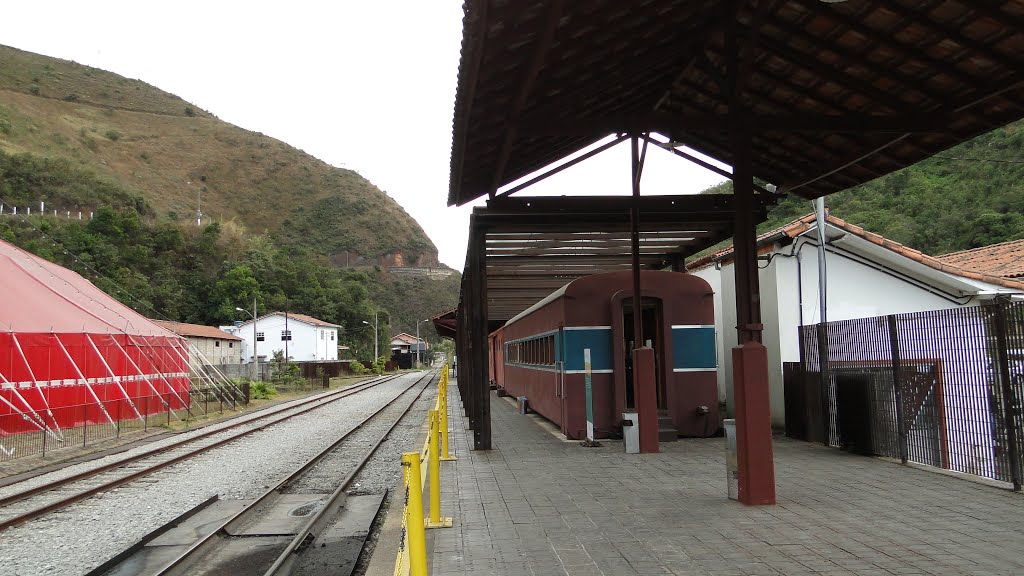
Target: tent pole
<point>186,357</point>
<point>159,373</point>
<point>41,426</point>
<point>85,380</point>
<point>32,374</point>
<point>117,379</point>
<point>146,377</point>
<point>231,388</point>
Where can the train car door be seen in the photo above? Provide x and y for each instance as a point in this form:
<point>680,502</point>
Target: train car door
<point>650,308</point>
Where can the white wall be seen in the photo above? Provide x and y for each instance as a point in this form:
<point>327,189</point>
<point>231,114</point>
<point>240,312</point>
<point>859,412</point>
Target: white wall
<point>216,350</point>
<point>714,278</point>
<point>308,342</point>
<point>855,290</point>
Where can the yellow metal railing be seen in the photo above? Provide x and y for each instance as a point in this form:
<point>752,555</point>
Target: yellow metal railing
<point>412,552</point>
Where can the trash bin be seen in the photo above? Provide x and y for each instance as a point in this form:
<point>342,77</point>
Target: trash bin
<point>732,476</point>
<point>631,432</point>
<point>521,403</point>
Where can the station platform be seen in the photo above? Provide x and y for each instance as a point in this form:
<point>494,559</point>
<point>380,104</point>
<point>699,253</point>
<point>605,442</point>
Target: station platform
<point>540,505</point>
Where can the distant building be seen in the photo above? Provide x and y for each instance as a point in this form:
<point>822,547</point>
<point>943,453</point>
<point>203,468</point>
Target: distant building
<point>303,338</point>
<point>214,345</point>
<point>405,348</point>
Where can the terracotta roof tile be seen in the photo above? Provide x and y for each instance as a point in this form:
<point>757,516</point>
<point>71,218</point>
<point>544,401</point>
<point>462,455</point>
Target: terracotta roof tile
<point>1005,259</point>
<point>999,264</point>
<point>196,330</point>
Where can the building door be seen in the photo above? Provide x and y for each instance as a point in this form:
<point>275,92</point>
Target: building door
<point>650,308</point>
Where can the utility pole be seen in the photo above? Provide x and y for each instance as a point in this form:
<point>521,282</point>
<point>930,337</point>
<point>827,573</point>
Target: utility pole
<point>419,343</point>
<point>376,354</point>
<point>255,356</point>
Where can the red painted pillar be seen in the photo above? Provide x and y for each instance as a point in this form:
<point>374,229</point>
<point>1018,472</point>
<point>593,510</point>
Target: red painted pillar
<point>753,424</point>
<point>646,397</point>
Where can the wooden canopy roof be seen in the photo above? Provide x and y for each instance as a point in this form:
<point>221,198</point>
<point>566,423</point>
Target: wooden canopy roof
<point>533,246</point>
<point>835,94</point>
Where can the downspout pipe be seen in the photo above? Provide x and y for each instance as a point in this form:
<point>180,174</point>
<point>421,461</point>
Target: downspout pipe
<point>819,212</point>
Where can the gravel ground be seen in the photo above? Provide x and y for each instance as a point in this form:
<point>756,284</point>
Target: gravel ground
<point>80,537</point>
<point>383,471</point>
<point>326,475</point>
<point>256,418</point>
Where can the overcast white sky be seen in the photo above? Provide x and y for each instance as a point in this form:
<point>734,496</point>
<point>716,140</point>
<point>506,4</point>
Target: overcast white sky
<point>368,86</point>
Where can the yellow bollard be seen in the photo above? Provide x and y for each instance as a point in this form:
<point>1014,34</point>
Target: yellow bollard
<point>443,424</point>
<point>413,514</point>
<point>434,465</point>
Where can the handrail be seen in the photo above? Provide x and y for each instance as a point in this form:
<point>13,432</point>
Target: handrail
<point>412,554</point>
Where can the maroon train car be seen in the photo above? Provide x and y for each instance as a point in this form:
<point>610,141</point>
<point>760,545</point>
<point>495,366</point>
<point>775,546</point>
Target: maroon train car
<point>539,353</point>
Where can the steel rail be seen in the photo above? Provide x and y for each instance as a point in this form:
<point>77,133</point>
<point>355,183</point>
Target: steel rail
<point>183,562</point>
<point>317,402</point>
<point>306,535</point>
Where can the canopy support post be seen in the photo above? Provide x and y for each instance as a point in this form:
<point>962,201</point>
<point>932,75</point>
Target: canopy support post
<point>750,358</point>
<point>481,410</point>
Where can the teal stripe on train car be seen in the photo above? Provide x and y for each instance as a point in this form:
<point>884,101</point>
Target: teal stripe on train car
<point>597,338</point>
<point>693,348</point>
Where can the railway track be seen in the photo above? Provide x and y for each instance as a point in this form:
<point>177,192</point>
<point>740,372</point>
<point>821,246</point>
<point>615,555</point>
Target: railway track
<point>46,498</point>
<point>274,533</point>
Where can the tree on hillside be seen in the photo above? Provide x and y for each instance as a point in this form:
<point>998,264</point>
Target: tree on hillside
<point>237,289</point>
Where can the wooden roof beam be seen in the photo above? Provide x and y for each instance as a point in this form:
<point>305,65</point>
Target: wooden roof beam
<point>540,52</point>
<point>888,41</point>
<point>955,35</point>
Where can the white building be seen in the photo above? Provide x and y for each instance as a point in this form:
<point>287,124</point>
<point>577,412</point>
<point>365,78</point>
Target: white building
<point>303,338</point>
<point>210,345</point>
<point>867,275</point>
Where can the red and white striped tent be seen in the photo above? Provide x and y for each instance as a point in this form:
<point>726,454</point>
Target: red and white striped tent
<point>71,354</point>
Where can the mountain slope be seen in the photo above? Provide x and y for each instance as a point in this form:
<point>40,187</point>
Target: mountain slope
<point>175,155</point>
<point>969,196</point>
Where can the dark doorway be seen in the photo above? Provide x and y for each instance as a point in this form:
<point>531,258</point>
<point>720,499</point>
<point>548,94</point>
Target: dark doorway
<point>650,308</point>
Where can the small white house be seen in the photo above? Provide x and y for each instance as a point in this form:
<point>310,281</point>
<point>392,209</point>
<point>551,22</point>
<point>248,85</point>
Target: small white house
<point>867,275</point>
<point>302,338</point>
<point>210,344</point>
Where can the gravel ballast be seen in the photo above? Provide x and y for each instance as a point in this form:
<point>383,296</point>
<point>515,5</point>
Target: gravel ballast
<point>83,536</point>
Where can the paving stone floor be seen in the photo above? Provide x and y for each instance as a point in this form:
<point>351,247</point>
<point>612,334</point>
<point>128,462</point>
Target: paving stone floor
<point>539,505</point>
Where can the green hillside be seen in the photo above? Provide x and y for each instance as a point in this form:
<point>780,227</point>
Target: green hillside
<point>174,155</point>
<point>278,224</point>
<point>969,196</point>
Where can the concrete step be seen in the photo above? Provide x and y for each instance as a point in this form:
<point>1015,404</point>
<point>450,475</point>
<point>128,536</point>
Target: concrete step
<point>666,431</point>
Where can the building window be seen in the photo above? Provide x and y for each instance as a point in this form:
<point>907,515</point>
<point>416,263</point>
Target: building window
<point>332,336</point>
<point>259,336</point>
<point>216,343</point>
<point>286,335</point>
<point>231,344</point>
<point>321,335</point>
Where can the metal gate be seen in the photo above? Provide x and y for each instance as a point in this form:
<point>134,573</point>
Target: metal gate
<point>941,388</point>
